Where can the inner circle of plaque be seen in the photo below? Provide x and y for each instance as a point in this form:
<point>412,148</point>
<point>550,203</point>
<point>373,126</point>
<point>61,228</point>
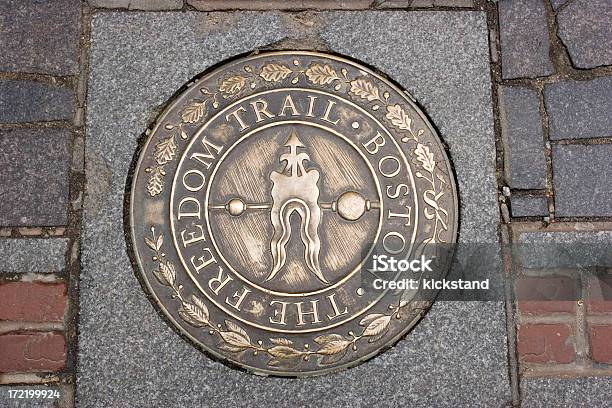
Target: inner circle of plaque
<point>267,291</point>
<point>357,258</point>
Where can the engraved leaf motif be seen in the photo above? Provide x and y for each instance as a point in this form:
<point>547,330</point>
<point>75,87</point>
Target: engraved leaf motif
<point>398,117</point>
<point>235,339</point>
<point>284,352</point>
<point>166,273</point>
<point>201,307</point>
<point>364,89</point>
<point>195,314</point>
<point>367,319</point>
<point>165,150</point>
<point>321,74</point>
<point>377,326</point>
<point>155,184</point>
<point>194,112</point>
<point>326,338</point>
<point>159,242</point>
<point>232,85</point>
<point>274,72</point>
<point>237,329</point>
<point>150,243</point>
<point>425,157</point>
<point>230,348</point>
<point>281,342</point>
<point>333,347</point>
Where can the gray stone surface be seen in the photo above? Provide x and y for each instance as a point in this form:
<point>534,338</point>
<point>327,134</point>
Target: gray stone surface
<point>579,109</point>
<point>127,354</point>
<point>523,137</point>
<point>524,39</point>
<point>37,255</point>
<point>29,101</point>
<point>35,177</point>
<point>593,392</point>
<point>427,67</point>
<point>40,36</point>
<point>568,249</point>
<point>581,179</point>
<point>138,4</point>
<point>529,206</point>
<point>586,31</point>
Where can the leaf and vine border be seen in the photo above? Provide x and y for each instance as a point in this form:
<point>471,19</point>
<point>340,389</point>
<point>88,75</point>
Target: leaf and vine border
<point>235,84</point>
<point>282,352</point>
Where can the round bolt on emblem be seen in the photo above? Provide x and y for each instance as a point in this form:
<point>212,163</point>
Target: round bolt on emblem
<point>262,197</point>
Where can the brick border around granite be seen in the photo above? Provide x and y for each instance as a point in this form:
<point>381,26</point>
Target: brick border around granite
<point>522,199</point>
<point>39,275</point>
<point>546,338</point>
<point>569,335</point>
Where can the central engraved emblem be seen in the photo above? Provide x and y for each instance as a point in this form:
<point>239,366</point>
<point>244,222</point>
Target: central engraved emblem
<point>263,194</point>
<point>295,190</point>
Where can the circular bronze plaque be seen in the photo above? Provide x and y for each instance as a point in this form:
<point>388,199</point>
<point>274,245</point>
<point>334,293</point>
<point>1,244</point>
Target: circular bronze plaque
<point>261,196</point>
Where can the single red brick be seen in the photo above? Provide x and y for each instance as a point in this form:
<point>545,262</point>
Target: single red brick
<point>537,295</point>
<point>601,343</point>
<point>545,343</point>
<point>600,294</point>
<point>32,352</point>
<point>32,302</point>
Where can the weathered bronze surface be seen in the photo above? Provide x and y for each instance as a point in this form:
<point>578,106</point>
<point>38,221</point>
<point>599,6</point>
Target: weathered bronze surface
<point>261,194</point>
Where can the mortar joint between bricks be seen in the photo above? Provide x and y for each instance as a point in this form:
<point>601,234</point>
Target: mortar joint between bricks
<point>573,370</point>
<point>505,231</point>
<point>545,123</point>
<point>559,55</point>
<point>582,141</point>
<point>47,79</point>
<point>53,124</point>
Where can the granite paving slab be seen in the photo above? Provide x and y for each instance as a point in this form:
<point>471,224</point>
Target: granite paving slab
<point>29,101</point>
<point>579,109</point>
<point>581,179</point>
<point>129,357</point>
<point>40,36</point>
<point>529,206</point>
<point>567,249</point>
<point>585,29</point>
<point>566,392</point>
<point>36,176</point>
<point>522,134</point>
<point>524,39</point>
<point>37,255</point>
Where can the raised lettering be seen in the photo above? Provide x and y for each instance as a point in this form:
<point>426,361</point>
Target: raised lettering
<point>290,105</point>
<point>235,115</point>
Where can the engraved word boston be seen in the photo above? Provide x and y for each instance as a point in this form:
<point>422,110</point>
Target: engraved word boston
<point>261,194</point>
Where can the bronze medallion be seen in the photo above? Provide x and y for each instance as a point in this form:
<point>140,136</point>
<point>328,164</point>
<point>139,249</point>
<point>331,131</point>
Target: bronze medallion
<point>262,194</point>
